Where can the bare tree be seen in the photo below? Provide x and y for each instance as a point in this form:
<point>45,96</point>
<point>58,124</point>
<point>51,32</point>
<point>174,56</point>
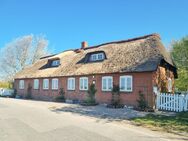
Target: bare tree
<point>20,53</point>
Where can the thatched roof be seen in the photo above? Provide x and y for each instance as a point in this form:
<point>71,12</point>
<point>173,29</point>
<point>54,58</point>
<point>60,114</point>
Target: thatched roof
<point>134,55</point>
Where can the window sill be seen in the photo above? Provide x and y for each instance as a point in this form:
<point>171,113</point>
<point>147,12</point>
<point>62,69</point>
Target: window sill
<point>126,91</point>
<point>45,89</point>
<point>54,89</point>
<point>71,90</point>
<point>84,90</point>
<point>106,91</point>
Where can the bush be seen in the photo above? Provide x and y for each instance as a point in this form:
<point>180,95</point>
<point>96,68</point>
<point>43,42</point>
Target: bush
<point>29,93</point>
<point>61,96</point>
<point>115,96</point>
<point>14,94</point>
<point>90,100</point>
<point>142,103</point>
<point>115,101</point>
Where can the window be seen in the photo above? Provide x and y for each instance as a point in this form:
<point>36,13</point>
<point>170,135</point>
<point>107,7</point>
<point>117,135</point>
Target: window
<point>107,82</point>
<point>36,84</point>
<point>71,84</point>
<point>94,57</point>
<point>100,56</point>
<point>21,84</point>
<point>55,63</point>
<point>54,84</point>
<point>83,83</point>
<point>97,57</point>
<point>126,83</point>
<point>45,83</point>
<point>169,85</point>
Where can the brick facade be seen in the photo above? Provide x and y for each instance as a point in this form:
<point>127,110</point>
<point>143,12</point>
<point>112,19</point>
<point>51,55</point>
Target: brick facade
<point>143,82</point>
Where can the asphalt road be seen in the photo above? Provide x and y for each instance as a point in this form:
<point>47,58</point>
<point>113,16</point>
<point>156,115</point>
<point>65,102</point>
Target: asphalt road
<point>22,120</point>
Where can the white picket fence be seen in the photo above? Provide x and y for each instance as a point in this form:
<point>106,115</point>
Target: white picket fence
<point>172,102</point>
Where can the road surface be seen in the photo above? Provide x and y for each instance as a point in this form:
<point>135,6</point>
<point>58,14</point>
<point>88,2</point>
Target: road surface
<point>24,120</point>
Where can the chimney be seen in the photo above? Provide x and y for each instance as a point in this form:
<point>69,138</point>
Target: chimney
<point>84,44</point>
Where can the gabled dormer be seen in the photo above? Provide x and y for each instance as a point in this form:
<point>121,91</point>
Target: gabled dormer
<point>92,57</point>
<point>54,62</point>
<point>98,56</point>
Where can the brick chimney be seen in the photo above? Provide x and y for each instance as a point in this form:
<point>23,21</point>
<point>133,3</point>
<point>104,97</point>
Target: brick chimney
<point>84,45</point>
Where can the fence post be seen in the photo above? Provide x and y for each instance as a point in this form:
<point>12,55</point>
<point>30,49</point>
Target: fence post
<point>158,101</point>
<point>185,106</point>
<point>181,103</point>
<point>166,106</point>
<point>174,102</point>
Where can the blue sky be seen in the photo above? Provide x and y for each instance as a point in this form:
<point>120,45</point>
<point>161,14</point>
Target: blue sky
<point>68,22</point>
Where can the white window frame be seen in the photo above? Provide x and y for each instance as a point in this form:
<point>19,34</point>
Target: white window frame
<point>55,63</point>
<point>95,57</point>
<point>102,55</point>
<point>169,85</point>
<point>108,88</point>
<point>83,81</point>
<point>55,84</point>
<point>125,87</point>
<point>36,84</point>
<point>21,84</point>
<point>45,84</point>
<point>71,83</point>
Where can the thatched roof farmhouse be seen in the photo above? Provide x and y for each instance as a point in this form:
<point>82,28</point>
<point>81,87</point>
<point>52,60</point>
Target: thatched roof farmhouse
<point>136,65</point>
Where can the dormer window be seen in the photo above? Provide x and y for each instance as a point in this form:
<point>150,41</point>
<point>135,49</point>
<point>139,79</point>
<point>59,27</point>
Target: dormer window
<point>92,57</point>
<point>55,63</point>
<point>97,56</point>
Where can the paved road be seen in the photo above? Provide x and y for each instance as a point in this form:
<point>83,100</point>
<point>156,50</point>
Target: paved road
<point>22,120</point>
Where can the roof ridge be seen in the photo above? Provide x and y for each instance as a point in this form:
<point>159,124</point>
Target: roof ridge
<point>119,41</point>
<point>47,56</point>
<point>127,40</point>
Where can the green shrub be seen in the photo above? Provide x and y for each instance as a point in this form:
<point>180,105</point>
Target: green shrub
<point>29,92</point>
<point>14,94</point>
<point>115,101</point>
<point>91,92</point>
<point>142,103</point>
<point>115,95</point>
<point>61,96</point>
<point>90,100</point>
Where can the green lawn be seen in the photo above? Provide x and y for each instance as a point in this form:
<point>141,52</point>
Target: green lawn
<point>178,123</point>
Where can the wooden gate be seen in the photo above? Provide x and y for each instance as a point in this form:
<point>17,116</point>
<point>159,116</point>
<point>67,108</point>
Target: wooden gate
<point>172,102</point>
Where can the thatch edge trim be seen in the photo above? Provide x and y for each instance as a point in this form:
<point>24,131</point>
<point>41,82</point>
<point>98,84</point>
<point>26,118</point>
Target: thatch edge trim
<point>123,41</point>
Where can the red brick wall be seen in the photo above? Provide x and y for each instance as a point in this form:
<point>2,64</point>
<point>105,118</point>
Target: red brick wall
<point>39,93</point>
<point>141,82</point>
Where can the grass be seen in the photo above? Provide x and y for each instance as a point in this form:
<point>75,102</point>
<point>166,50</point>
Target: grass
<point>175,124</point>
